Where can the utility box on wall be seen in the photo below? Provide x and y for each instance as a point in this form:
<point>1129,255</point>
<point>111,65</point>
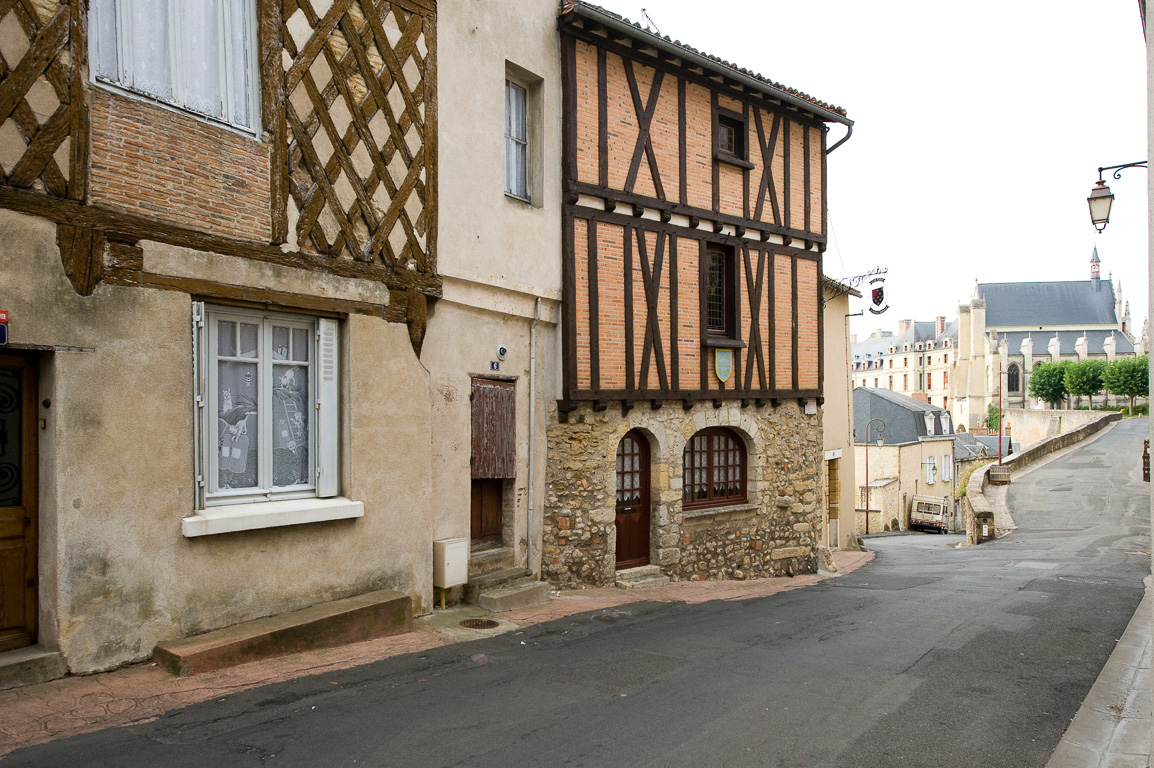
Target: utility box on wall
<point>450,562</point>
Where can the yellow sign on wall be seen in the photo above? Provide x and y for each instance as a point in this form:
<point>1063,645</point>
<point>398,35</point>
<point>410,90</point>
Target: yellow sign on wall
<point>723,364</point>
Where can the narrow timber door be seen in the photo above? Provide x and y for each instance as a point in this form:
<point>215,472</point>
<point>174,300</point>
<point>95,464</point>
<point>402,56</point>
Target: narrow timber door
<point>632,501</point>
<point>485,523</point>
<point>494,455</point>
<point>18,544</point>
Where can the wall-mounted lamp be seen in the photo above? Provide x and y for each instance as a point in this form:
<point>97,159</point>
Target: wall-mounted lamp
<point>1101,198</point>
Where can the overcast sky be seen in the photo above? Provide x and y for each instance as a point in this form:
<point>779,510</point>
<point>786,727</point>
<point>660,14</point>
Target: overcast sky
<point>979,128</point>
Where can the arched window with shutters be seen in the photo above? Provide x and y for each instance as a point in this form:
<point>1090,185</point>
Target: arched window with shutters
<point>714,469</point>
<point>1013,378</point>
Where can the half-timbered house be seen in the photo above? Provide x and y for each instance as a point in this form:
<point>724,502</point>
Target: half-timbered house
<point>687,438</point>
<point>219,247</point>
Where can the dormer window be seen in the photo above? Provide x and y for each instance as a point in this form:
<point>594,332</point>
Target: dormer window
<point>930,423</point>
<point>929,345</point>
<point>906,348</point>
<point>919,346</point>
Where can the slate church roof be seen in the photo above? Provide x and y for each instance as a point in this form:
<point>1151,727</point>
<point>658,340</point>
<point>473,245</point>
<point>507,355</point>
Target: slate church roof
<point>1075,302</point>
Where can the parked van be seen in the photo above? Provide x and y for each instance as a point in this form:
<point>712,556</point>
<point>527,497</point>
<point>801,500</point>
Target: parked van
<point>931,513</point>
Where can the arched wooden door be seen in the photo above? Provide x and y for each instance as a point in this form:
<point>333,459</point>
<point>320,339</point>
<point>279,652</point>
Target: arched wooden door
<point>632,501</point>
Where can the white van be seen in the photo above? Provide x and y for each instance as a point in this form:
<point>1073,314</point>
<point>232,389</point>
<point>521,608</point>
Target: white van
<point>931,513</point>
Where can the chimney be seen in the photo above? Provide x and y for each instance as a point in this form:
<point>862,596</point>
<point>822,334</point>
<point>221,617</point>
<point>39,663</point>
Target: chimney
<point>903,326</point>
<point>939,326</point>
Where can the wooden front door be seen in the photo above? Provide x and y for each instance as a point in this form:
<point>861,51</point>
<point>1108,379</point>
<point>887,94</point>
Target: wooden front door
<point>17,502</point>
<point>632,501</point>
<point>485,525</point>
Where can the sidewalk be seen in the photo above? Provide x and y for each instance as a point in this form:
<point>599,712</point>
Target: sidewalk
<point>75,705</point>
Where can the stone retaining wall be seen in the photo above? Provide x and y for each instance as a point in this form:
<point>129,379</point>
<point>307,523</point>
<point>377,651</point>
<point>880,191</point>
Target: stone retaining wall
<point>977,507</point>
<point>776,530</point>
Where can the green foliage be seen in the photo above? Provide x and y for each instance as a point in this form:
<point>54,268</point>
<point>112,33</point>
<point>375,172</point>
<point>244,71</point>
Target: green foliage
<point>1084,378</point>
<point>993,416</point>
<point>1048,382</point>
<point>961,484</point>
<point>1128,377</point>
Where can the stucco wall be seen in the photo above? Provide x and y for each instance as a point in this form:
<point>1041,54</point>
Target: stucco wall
<point>837,416</point>
<point>498,255</point>
<point>778,528</point>
<point>116,470</point>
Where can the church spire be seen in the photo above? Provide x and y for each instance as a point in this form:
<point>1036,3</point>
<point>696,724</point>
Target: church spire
<point>1094,262</point>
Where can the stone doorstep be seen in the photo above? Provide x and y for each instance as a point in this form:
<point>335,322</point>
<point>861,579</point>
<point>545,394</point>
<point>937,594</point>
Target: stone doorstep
<point>326,625</point>
<point>30,666</point>
<point>490,581</point>
<point>523,593</point>
<point>488,560</point>
<point>641,577</point>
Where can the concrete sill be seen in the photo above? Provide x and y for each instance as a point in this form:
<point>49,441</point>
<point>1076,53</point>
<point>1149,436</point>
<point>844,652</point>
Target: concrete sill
<point>231,518</point>
<point>722,513</point>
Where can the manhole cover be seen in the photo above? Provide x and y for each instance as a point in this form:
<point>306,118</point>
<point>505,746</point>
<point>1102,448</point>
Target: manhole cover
<point>479,624</point>
<point>1082,580</point>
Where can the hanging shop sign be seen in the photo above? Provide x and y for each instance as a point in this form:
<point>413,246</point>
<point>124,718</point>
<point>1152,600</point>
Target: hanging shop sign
<point>878,296</point>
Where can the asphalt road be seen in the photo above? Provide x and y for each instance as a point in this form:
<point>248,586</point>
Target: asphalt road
<point>929,656</point>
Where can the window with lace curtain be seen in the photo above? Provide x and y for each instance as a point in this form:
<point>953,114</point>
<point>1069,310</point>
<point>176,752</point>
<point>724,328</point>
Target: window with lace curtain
<point>197,55</point>
<point>714,469</point>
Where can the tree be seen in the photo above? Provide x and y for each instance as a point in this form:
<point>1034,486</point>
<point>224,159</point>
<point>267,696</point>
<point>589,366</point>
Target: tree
<point>1085,378</point>
<point>1128,377</point>
<point>993,417</point>
<point>1048,382</point>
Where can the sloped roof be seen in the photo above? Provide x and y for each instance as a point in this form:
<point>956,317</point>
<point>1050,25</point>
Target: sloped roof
<point>720,65</point>
<point>1095,339</point>
<point>872,349</point>
<point>1074,302</point>
<point>904,417</point>
<point>968,447</point>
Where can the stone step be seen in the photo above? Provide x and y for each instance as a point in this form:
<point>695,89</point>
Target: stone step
<point>327,625</point>
<point>490,581</point>
<point>484,561</point>
<point>642,577</point>
<point>523,593</point>
<point>30,666</point>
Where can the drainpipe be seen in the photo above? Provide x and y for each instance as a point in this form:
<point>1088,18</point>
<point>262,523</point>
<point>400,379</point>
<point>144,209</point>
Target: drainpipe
<point>532,432</point>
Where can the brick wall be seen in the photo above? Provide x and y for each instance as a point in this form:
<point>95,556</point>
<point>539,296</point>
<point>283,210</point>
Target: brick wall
<point>160,163</point>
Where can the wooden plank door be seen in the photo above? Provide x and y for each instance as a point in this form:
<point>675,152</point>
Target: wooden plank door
<point>485,521</point>
<point>18,545</point>
<point>632,501</point>
<point>494,455</point>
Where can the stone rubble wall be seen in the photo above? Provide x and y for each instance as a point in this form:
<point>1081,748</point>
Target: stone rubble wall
<point>778,529</point>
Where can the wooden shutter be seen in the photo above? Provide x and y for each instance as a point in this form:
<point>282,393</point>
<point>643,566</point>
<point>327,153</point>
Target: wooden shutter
<point>200,365</point>
<point>494,429</point>
<point>328,421</point>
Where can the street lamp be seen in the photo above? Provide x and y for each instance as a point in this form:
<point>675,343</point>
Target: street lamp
<point>881,429</point>
<point>1101,197</point>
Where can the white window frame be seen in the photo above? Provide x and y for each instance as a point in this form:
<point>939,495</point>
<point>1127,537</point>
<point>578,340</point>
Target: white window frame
<point>179,100</point>
<point>947,467</point>
<point>222,510</point>
<point>512,141</point>
<point>931,467</point>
